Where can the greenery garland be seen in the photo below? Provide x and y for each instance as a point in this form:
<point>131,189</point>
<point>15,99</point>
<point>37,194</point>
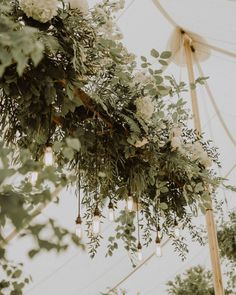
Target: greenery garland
<point>68,83</point>
<point>227,242</point>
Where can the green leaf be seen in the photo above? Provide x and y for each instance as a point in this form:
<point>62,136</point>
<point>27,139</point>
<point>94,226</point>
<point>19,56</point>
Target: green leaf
<point>37,53</point>
<point>158,79</point>
<point>33,252</point>
<point>163,206</point>
<point>73,143</point>
<point>163,62</point>
<point>68,152</point>
<point>17,273</point>
<point>192,86</point>
<point>165,55</point>
<point>154,53</point>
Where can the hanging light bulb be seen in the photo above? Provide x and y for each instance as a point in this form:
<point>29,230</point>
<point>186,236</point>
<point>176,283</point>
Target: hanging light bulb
<point>111,212</point>
<point>130,203</point>
<point>48,156</point>
<point>78,227</point>
<point>96,222</point>
<point>176,229</point>
<point>33,177</point>
<point>158,230</point>
<point>140,254</point>
<point>158,246</point>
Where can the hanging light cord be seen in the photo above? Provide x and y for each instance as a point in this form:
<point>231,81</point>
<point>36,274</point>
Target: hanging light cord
<point>96,161</point>
<point>49,125</point>
<point>79,187</point>
<point>138,224</point>
<point>137,267</point>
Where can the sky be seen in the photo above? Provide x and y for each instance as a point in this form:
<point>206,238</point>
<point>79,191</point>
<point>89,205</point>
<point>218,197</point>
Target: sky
<point>144,28</point>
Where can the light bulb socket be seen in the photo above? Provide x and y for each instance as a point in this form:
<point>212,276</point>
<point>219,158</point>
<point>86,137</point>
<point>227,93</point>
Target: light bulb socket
<point>78,220</point>
<point>110,205</point>
<point>97,212</point>
<point>175,222</point>
<point>158,240</point>
<point>139,246</point>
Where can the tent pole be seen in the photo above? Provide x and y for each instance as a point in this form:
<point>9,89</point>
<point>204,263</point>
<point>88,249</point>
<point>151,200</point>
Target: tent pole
<point>210,223</point>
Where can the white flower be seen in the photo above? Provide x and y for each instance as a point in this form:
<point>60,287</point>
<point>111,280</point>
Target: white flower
<point>130,58</point>
<point>119,5</point>
<point>101,174</point>
<point>200,154</point>
<point>99,11</point>
<point>197,148</point>
<point>142,77</point>
<point>82,5</point>
<point>161,143</point>
<point>140,143</point>
<point>118,36</point>
<point>176,131</point>
<point>145,108</point>
<point>176,142</point>
<point>105,62</point>
<point>40,10</point>
<point>205,160</point>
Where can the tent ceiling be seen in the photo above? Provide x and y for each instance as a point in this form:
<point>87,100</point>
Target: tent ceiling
<point>144,27</point>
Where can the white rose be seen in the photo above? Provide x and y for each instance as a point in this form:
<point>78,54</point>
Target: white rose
<point>101,174</point>
<point>161,143</point>
<point>200,154</point>
<point>140,143</point>
<point>205,160</point>
<point>142,77</point>
<point>176,131</point>
<point>145,108</point>
<point>40,10</point>
<point>130,58</point>
<point>82,5</point>
<point>119,5</point>
<point>197,148</point>
<point>176,142</point>
<point>118,36</point>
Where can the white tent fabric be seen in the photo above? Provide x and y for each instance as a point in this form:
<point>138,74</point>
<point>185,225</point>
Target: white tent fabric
<point>145,27</point>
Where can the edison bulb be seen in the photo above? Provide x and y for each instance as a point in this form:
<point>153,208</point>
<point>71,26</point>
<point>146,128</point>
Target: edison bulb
<point>48,156</point>
<point>33,177</point>
<point>96,225</point>
<point>130,204</point>
<point>79,230</point>
<point>177,232</point>
<point>111,214</point>
<point>140,255</point>
<point>158,250</point>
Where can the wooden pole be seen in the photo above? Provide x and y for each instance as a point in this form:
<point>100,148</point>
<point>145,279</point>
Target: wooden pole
<point>210,224</point>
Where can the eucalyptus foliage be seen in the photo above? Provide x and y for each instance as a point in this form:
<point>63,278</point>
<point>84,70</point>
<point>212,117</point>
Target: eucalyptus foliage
<point>12,278</point>
<point>195,280</point>
<point>227,243</point>
<point>227,238</point>
<point>116,292</point>
<point>71,84</point>
<point>18,202</point>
